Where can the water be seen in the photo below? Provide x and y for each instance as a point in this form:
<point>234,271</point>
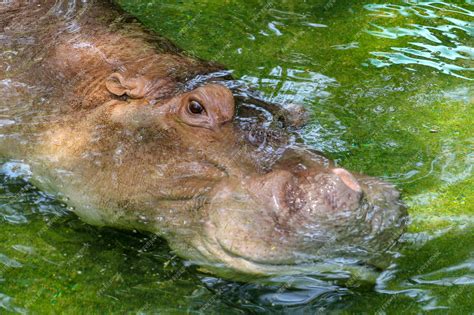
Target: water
<point>389,86</point>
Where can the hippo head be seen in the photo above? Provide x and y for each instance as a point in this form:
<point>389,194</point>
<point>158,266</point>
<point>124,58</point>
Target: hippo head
<point>227,192</point>
<point>281,207</point>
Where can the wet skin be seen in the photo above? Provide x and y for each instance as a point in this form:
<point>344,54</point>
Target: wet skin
<point>107,116</point>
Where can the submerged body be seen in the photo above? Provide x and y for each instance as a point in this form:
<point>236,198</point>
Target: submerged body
<point>138,135</point>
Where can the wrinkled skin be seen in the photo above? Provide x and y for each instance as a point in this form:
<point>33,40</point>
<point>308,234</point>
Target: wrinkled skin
<point>105,115</point>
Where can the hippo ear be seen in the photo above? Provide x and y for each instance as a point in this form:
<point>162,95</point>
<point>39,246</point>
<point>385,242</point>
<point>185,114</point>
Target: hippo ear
<point>118,85</point>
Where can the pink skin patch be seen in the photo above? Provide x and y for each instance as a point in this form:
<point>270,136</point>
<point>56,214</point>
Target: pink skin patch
<point>348,179</point>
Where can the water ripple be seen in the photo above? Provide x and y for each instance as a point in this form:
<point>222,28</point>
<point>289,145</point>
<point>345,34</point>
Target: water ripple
<point>6,302</point>
<point>19,199</point>
<point>9,262</point>
<point>441,40</point>
<point>293,85</point>
<point>460,274</point>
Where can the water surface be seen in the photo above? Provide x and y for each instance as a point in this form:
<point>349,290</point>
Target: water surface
<point>390,88</point>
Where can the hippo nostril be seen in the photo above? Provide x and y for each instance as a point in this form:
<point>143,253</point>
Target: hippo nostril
<point>348,179</point>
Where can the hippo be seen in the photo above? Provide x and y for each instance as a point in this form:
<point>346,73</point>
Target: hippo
<point>134,133</point>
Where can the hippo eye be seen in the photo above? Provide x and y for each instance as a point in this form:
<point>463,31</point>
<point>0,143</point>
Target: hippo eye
<point>195,107</point>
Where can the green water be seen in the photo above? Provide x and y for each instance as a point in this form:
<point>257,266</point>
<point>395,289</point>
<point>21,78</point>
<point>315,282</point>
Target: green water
<point>390,88</point>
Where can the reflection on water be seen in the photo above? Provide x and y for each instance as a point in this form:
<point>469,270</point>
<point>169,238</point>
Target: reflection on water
<point>405,123</point>
<point>438,43</point>
<point>20,199</point>
<point>462,274</point>
<point>283,293</point>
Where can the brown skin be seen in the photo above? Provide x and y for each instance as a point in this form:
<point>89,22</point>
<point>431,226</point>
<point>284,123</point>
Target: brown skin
<point>111,124</point>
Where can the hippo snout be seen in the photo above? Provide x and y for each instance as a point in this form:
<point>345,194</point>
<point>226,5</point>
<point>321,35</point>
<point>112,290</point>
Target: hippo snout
<point>300,213</point>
